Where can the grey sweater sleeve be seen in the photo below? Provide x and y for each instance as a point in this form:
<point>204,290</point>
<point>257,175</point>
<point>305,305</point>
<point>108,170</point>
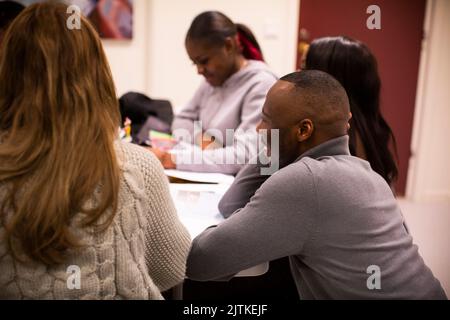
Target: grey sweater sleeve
<point>270,226</point>
<point>244,186</point>
<point>189,113</point>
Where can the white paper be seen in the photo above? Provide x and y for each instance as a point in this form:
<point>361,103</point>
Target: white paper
<point>200,176</point>
<point>197,209</point>
<point>197,205</point>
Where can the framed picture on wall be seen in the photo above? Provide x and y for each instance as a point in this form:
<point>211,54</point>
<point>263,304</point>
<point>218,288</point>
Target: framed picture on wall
<point>113,19</point>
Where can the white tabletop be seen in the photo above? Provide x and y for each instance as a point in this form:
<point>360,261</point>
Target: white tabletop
<point>197,208</point>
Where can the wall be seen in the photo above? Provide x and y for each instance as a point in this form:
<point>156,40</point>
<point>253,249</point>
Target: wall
<point>155,61</point>
<point>129,59</point>
<point>429,172</point>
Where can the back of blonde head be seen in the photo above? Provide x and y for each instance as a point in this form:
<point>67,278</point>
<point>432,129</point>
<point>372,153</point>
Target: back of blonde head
<point>58,121</point>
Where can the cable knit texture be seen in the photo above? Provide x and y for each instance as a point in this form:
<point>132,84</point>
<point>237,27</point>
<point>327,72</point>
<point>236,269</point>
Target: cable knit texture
<point>142,253</point>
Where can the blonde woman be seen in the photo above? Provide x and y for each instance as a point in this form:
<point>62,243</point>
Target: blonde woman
<point>83,216</point>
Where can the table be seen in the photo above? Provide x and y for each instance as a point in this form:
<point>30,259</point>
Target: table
<point>197,209</point>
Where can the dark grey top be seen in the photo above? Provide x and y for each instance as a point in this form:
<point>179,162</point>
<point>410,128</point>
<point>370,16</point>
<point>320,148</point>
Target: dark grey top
<point>335,218</point>
<point>244,186</point>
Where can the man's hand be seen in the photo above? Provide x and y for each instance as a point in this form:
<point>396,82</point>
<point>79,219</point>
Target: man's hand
<point>164,157</point>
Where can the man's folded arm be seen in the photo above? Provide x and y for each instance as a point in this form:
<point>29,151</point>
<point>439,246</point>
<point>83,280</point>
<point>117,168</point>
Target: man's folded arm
<point>244,186</point>
<point>276,223</point>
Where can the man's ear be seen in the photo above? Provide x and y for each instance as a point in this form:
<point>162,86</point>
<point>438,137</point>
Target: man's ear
<point>349,119</point>
<point>305,130</point>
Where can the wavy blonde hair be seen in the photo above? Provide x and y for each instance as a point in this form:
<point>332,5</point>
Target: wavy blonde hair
<point>59,117</point>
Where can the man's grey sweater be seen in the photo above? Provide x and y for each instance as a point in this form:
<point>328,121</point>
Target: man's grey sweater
<point>335,218</point>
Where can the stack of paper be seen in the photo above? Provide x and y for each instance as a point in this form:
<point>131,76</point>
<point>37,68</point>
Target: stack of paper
<point>199,177</point>
<point>196,205</point>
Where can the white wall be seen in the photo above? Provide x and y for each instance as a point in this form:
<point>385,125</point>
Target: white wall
<point>429,172</point>
<point>155,61</point>
<point>128,59</point>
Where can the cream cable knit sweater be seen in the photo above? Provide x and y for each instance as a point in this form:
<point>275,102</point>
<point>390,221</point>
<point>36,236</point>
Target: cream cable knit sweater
<point>142,253</point>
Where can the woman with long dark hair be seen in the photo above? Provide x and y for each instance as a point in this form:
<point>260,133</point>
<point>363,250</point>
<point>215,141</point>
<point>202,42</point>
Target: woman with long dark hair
<point>355,67</point>
<point>230,59</point>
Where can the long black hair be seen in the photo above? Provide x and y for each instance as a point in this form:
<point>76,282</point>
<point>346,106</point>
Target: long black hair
<point>8,11</point>
<point>214,27</point>
<point>355,67</point>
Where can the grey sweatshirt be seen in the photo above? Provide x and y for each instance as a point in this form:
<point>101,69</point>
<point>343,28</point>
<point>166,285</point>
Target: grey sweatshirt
<point>237,104</point>
<point>335,218</point>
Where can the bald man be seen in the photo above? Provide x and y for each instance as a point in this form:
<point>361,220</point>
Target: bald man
<point>329,212</point>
